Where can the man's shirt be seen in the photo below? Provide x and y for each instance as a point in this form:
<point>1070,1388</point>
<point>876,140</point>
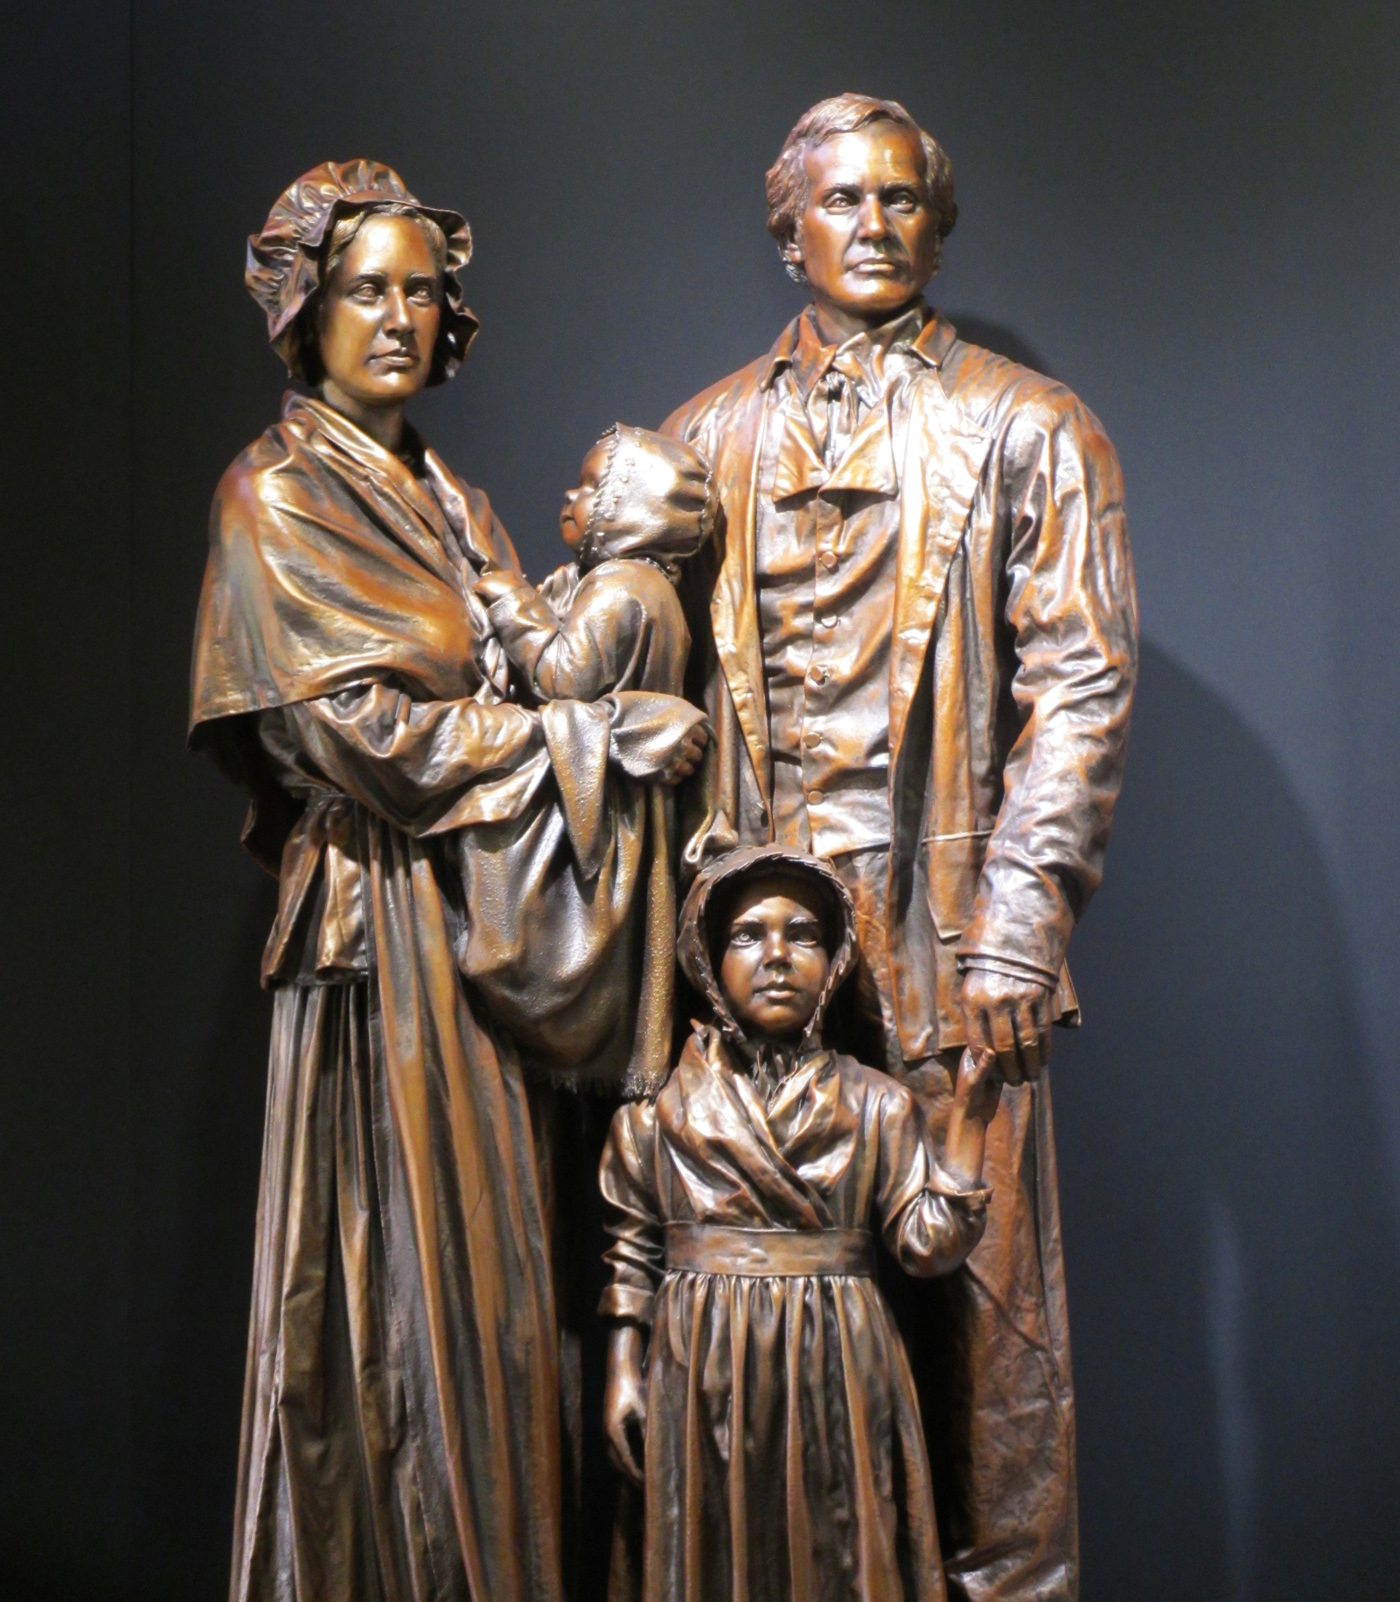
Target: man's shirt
<point>826,545</point>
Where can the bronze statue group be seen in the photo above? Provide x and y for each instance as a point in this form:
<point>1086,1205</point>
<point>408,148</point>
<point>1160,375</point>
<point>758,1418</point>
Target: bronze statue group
<point>827,711</point>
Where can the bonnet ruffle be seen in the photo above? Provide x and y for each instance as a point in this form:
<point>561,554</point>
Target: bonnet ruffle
<point>696,936</point>
<point>655,499</point>
<point>286,257</point>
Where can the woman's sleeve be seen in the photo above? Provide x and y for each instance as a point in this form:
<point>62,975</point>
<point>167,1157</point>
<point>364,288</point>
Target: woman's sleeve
<point>412,762</point>
<point>930,1223</point>
<point>636,1259</point>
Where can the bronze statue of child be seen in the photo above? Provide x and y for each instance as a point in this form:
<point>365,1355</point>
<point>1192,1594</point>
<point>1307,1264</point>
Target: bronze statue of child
<point>611,620</point>
<point>601,647</point>
<point>757,1387</point>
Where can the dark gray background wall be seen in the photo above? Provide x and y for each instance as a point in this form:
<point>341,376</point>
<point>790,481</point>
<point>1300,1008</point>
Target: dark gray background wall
<point>1188,212</point>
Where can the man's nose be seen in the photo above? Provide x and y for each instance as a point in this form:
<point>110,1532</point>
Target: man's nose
<point>870,220</point>
<point>777,953</point>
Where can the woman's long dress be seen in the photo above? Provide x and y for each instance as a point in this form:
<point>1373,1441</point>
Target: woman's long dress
<point>401,1409</point>
<point>785,1461</point>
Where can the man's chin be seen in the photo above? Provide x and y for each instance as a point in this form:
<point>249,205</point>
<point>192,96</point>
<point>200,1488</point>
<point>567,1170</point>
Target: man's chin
<point>874,300</point>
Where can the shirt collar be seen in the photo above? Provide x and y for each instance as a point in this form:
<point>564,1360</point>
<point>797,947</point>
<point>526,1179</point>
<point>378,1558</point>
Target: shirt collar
<point>921,331</point>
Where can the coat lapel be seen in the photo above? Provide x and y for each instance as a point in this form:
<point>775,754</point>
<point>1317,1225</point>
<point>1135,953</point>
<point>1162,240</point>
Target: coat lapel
<point>944,455</point>
<point>734,605</point>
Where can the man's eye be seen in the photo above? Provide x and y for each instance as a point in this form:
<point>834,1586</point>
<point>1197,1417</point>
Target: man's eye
<point>365,292</point>
<point>423,292</point>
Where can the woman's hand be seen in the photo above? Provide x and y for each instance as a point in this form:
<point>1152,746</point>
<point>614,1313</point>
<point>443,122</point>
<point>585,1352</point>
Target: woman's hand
<point>625,1400</point>
<point>687,759</point>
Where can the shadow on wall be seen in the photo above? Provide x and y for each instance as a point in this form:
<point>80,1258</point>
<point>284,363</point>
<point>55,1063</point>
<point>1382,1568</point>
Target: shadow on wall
<point>1234,1296</point>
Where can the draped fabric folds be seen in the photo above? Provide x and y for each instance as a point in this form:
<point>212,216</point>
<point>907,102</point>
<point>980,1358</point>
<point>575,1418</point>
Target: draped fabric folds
<point>401,1412</point>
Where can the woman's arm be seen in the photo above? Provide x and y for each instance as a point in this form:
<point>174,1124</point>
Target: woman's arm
<point>411,761</point>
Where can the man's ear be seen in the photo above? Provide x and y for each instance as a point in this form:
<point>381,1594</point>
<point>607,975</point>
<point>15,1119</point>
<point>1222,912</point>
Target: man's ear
<point>791,252</point>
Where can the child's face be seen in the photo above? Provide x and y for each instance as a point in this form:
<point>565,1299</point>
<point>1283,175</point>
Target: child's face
<point>578,503</point>
<point>775,961</point>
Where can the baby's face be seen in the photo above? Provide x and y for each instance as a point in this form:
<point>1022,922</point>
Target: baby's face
<point>578,503</point>
<point>775,962</point>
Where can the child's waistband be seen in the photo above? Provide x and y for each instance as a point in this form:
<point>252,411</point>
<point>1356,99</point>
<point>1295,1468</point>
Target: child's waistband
<point>769,1253</point>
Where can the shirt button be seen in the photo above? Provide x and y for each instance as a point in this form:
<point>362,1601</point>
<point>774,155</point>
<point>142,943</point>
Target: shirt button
<point>814,798</point>
<point>821,674</point>
<point>828,560</point>
<point>828,620</point>
<point>811,739</point>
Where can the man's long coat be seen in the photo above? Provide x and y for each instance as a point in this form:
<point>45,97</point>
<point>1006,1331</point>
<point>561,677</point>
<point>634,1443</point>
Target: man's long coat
<point>1012,665</point>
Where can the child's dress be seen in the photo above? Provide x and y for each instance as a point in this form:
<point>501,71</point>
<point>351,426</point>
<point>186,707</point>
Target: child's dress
<point>784,1453</point>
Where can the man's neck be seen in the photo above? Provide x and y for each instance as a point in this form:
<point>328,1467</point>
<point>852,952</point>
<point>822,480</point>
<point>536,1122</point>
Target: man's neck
<point>836,325</point>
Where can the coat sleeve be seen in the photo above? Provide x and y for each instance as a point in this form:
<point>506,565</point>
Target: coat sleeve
<point>930,1223</point>
<point>636,1259</point>
<point>1071,612</point>
<point>412,762</point>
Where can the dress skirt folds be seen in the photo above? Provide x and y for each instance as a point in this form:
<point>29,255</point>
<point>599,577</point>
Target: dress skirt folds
<point>401,1426</point>
<point>785,1457</point>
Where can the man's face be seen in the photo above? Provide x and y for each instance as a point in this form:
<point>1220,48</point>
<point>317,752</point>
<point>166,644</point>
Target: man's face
<point>868,238</point>
<point>775,961</point>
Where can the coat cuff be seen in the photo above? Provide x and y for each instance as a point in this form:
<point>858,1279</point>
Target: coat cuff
<point>1010,967</point>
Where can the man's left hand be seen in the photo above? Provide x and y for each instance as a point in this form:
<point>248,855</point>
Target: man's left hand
<point>1009,1020</point>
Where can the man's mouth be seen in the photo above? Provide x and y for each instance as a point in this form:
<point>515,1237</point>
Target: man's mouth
<point>397,358</point>
<point>877,267</point>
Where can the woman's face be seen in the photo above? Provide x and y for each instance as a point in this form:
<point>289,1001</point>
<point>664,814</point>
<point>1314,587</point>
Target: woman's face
<point>578,503</point>
<point>775,962</point>
<point>379,317</point>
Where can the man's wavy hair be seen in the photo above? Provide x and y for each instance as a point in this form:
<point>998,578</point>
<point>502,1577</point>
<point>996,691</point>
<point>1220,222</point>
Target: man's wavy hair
<point>787,183</point>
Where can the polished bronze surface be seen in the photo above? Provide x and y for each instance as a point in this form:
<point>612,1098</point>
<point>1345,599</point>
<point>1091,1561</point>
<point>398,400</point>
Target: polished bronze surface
<point>758,1389</point>
<point>921,571</point>
<point>475,887</point>
<point>872,597</point>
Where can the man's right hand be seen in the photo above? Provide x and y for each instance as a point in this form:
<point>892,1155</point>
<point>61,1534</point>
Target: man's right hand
<point>1007,1020</point>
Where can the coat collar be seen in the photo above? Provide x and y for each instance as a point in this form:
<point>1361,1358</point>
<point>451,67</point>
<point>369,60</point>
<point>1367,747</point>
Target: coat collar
<point>931,345</point>
<point>869,461</point>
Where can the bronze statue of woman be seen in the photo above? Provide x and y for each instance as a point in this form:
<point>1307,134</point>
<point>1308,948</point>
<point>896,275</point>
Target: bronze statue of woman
<point>401,1410</point>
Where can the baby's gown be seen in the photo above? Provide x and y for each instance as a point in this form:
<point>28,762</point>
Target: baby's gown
<point>784,1453</point>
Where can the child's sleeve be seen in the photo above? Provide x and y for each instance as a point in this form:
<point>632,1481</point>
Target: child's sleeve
<point>930,1222</point>
<point>537,639</point>
<point>636,1259</point>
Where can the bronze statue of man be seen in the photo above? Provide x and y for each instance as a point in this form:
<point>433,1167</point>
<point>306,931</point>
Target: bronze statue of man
<point>915,634</point>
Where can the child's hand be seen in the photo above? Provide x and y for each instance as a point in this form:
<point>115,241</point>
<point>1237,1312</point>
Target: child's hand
<point>975,1099</point>
<point>978,1090</point>
<point>688,757</point>
<point>625,1400</point>
<point>495,583</point>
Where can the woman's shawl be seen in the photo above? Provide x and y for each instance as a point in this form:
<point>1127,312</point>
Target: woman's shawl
<point>331,566</point>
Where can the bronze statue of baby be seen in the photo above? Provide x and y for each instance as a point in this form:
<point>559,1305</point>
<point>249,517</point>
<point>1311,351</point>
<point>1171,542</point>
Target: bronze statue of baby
<point>611,620</point>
